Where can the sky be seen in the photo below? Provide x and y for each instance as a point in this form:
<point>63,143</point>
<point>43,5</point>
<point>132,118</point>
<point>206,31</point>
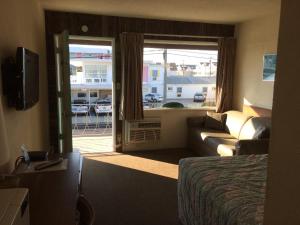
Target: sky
<point>155,55</point>
<point>180,56</point>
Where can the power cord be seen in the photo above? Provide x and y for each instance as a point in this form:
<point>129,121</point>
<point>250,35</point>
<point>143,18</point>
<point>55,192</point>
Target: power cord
<point>18,161</point>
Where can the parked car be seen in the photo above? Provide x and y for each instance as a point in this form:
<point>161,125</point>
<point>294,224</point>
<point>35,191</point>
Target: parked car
<point>153,97</point>
<point>199,97</point>
<point>103,106</point>
<point>80,106</point>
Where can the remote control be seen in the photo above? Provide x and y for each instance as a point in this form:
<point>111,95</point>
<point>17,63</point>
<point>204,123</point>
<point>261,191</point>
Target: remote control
<point>48,164</point>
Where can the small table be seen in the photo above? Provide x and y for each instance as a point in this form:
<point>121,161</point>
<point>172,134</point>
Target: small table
<point>53,194</point>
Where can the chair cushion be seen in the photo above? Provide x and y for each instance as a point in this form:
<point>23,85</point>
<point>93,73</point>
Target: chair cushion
<point>235,121</point>
<point>226,150</point>
<point>215,121</point>
<point>207,134</point>
<point>256,128</point>
<point>224,147</point>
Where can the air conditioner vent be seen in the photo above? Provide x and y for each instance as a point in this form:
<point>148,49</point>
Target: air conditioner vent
<point>143,131</point>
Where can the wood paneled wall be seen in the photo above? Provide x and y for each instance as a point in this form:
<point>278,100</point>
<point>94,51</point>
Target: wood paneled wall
<point>112,26</point>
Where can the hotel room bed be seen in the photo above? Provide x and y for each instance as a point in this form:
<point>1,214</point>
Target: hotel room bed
<point>222,190</point>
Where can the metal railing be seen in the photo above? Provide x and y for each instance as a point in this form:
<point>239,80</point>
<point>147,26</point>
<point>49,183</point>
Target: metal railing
<point>86,122</point>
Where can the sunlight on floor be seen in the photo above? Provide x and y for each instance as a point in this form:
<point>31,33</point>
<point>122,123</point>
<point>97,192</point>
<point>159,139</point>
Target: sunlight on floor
<point>93,144</point>
<point>138,163</point>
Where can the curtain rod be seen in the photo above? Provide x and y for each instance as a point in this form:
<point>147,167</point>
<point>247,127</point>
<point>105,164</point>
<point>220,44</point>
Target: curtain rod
<point>176,35</point>
<point>181,42</point>
<point>180,36</point>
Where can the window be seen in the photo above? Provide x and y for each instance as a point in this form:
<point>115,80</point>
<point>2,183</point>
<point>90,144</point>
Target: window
<point>154,75</point>
<point>179,91</point>
<point>81,95</point>
<point>187,72</point>
<point>88,80</point>
<point>97,80</point>
<point>94,94</point>
<point>72,70</point>
<point>154,90</point>
<point>95,71</point>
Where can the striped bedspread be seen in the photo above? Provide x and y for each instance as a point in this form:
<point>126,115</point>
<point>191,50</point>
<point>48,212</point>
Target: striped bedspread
<point>222,190</point>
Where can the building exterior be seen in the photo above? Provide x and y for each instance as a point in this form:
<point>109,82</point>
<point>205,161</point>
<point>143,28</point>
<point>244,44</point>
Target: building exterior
<point>91,77</point>
<point>91,74</point>
<point>180,85</point>
<point>153,78</point>
<point>185,87</point>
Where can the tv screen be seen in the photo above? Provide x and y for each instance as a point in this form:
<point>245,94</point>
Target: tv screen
<point>27,78</point>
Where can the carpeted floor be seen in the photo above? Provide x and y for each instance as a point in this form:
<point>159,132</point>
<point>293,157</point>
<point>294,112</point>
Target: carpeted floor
<point>133,189</point>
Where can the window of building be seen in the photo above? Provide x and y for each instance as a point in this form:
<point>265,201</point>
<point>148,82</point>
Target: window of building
<point>154,75</point>
<point>188,71</point>
<point>95,70</point>
<point>154,90</point>
<point>94,94</point>
<point>73,70</point>
<point>81,95</point>
<point>97,80</point>
<point>88,80</point>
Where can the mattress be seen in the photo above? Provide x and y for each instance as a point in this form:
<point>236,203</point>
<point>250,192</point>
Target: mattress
<point>222,190</point>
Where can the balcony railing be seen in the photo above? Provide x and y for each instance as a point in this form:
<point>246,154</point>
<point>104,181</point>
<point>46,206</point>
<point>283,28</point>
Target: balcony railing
<point>91,120</point>
<point>88,81</point>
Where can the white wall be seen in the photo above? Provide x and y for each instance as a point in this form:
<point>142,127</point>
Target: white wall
<point>22,24</point>
<point>254,39</point>
<point>189,90</point>
<point>283,184</point>
<point>173,128</point>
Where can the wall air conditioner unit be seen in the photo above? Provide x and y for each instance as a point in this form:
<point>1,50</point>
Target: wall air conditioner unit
<point>142,131</point>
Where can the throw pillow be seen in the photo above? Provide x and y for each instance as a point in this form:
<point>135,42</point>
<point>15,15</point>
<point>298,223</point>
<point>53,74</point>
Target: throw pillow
<point>216,121</point>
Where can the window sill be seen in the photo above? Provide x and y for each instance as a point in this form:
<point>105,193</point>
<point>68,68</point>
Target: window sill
<point>207,108</point>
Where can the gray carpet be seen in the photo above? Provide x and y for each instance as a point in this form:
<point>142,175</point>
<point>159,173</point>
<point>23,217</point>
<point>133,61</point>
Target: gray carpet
<point>133,189</point>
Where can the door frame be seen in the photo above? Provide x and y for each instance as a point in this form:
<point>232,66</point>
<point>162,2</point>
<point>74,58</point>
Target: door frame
<point>89,39</point>
<point>63,99</point>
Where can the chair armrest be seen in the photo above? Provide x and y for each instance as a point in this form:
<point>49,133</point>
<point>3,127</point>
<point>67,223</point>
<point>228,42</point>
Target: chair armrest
<point>248,147</point>
<point>196,121</point>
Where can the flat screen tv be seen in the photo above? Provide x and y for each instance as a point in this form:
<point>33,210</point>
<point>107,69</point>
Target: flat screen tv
<point>27,79</point>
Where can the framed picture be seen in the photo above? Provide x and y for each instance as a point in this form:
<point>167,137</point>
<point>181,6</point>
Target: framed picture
<point>269,69</point>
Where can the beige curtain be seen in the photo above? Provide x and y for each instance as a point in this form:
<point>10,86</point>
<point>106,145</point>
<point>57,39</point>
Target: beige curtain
<point>226,60</point>
<point>132,76</point>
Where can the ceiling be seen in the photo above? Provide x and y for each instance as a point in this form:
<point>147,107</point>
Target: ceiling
<point>218,11</point>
